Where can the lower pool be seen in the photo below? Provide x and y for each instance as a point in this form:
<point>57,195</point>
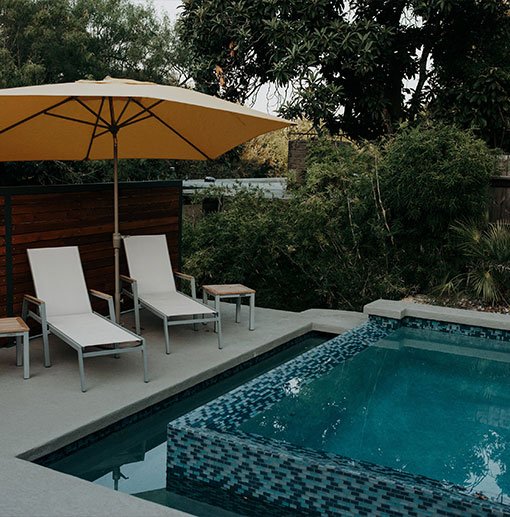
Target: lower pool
<point>395,417</point>
<point>130,456</point>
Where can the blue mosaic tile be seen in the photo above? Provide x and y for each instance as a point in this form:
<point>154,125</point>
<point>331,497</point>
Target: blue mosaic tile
<point>208,454</point>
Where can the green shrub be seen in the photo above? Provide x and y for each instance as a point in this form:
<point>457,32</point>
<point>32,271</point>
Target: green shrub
<point>485,272</point>
<point>434,175</point>
<point>431,177</point>
<point>369,221</point>
<point>326,246</point>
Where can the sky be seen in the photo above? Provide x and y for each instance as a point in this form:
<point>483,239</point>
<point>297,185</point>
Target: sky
<point>168,6</point>
<point>264,101</point>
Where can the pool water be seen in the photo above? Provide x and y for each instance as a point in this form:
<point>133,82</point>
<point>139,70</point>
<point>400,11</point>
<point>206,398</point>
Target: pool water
<point>133,460</point>
<point>419,401</point>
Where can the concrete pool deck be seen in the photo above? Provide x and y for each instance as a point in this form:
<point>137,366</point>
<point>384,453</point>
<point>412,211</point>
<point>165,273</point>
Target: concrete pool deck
<point>48,411</point>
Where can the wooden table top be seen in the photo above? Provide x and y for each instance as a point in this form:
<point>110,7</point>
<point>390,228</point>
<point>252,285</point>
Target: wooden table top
<point>12,325</point>
<point>227,289</point>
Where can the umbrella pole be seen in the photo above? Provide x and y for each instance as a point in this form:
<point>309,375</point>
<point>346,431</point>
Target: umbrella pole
<point>116,234</point>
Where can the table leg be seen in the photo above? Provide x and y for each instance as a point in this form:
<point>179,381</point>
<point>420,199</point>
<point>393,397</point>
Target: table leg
<point>19,351</point>
<point>217,309</point>
<point>26,356</point>
<point>252,311</point>
<point>238,309</point>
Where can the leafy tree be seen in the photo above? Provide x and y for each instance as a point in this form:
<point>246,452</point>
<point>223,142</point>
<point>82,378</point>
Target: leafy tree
<point>471,75</point>
<point>347,62</point>
<point>47,41</point>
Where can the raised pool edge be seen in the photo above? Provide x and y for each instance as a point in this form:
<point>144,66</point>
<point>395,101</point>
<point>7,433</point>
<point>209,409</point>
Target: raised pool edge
<point>209,455</point>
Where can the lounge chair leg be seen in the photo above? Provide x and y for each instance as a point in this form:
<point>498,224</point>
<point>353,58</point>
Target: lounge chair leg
<point>82,371</point>
<point>144,357</point>
<point>205,302</point>
<point>167,339</point>
<point>137,315</point>
<point>195,326</point>
<point>117,356</point>
<point>46,346</point>
<point>218,327</point>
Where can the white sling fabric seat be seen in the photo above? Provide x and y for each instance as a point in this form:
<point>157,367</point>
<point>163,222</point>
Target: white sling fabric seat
<point>89,329</point>
<point>175,304</point>
<point>64,308</point>
<point>153,286</point>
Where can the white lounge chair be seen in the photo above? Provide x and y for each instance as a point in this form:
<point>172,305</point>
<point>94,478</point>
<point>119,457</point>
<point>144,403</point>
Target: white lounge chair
<point>63,308</point>
<point>153,286</point>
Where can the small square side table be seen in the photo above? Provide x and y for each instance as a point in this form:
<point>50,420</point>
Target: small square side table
<point>237,291</point>
<point>16,327</point>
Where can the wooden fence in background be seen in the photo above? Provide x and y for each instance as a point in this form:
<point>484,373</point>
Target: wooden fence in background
<point>499,209</point>
<point>80,215</point>
<point>500,190</point>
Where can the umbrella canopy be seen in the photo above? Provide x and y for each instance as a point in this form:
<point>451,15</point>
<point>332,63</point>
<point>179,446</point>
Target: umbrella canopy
<point>121,118</point>
<point>75,121</point>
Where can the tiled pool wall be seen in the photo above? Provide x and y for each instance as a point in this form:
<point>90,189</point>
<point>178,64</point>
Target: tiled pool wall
<point>209,456</point>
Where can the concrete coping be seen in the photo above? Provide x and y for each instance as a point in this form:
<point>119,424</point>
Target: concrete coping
<point>399,310</point>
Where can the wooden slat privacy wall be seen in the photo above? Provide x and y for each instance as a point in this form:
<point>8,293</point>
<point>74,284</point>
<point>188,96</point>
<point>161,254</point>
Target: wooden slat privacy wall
<point>499,209</point>
<point>80,215</point>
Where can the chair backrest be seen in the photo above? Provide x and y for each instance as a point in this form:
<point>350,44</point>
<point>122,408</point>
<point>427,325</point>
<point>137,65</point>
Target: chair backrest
<point>149,263</point>
<point>59,281</point>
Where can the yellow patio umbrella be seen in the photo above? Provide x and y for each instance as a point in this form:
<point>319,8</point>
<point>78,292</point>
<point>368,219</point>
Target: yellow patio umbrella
<point>122,118</point>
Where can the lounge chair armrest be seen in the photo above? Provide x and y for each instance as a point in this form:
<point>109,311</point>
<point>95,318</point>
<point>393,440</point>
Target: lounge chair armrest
<point>127,279</point>
<point>184,275</point>
<point>108,298</point>
<point>32,299</point>
<point>191,280</point>
<point>39,313</point>
<point>99,294</point>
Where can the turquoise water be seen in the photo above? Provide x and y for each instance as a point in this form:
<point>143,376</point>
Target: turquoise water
<point>133,460</point>
<point>422,402</point>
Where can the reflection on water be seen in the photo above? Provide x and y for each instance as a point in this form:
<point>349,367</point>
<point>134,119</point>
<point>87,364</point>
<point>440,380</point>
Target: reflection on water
<point>412,403</point>
<point>133,459</point>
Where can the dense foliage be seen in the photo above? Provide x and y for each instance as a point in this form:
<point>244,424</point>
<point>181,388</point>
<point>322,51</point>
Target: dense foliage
<point>355,230</point>
<point>349,64</point>
<point>485,266</point>
<point>431,177</point>
<point>49,41</point>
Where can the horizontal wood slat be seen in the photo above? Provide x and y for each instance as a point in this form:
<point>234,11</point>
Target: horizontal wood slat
<point>80,216</point>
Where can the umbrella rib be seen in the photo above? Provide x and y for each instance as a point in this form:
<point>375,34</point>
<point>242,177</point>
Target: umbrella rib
<point>106,131</point>
<point>90,110</point>
<point>168,126</point>
<point>34,115</point>
<point>95,129</point>
<point>117,122</point>
<point>72,119</point>
<point>130,120</point>
<point>125,124</point>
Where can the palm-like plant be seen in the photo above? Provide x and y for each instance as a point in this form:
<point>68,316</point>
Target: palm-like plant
<point>486,253</point>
